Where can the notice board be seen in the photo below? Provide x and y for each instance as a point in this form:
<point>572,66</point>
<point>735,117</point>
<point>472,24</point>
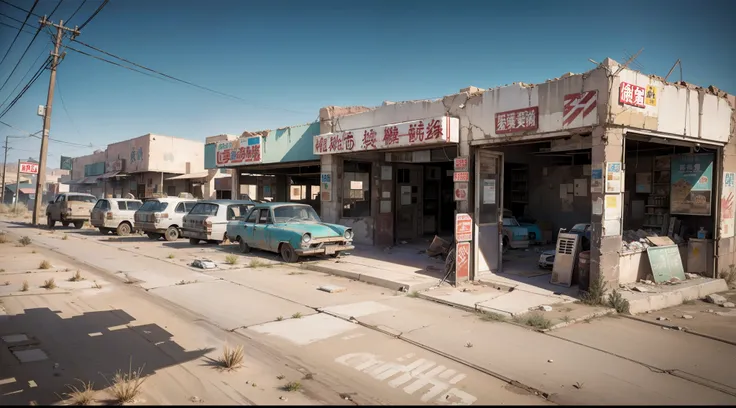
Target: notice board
<point>666,263</point>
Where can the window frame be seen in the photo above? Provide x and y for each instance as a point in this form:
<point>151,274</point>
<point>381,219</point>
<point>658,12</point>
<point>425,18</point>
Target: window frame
<point>351,168</point>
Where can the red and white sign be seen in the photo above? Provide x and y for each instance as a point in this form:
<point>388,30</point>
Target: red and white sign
<point>461,176</point>
<point>519,120</point>
<point>461,163</point>
<point>463,227</point>
<point>630,94</point>
<point>461,191</point>
<point>578,108</point>
<point>29,168</point>
<point>462,260</point>
<point>424,132</point>
<point>246,150</point>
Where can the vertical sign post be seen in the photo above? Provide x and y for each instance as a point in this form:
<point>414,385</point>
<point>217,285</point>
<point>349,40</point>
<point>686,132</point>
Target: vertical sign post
<point>463,236</point>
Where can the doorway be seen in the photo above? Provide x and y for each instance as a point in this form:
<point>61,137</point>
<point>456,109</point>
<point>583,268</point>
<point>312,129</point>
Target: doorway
<point>409,202</point>
<point>488,202</point>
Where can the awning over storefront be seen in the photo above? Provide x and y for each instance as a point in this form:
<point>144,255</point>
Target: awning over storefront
<point>199,175</point>
<point>28,190</point>
<point>89,180</point>
<point>109,174</point>
<point>72,182</point>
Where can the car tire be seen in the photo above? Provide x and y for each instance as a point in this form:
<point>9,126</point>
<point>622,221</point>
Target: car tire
<point>193,241</point>
<point>335,255</point>
<point>506,245</point>
<point>152,236</point>
<point>213,242</point>
<point>50,222</point>
<point>288,254</point>
<point>244,248</point>
<point>172,234</point>
<point>123,229</point>
<point>78,224</point>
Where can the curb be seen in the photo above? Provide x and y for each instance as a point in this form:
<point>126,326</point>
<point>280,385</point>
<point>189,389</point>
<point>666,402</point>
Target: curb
<point>372,280</point>
<point>680,328</point>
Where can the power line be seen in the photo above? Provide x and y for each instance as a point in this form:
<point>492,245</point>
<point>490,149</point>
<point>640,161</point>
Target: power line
<point>14,27</point>
<point>16,35</point>
<point>23,91</point>
<point>21,58</point>
<point>63,105</point>
<point>166,75</point>
<point>19,8</point>
<point>75,12</point>
<point>104,3</point>
<point>43,51</point>
<point>113,63</point>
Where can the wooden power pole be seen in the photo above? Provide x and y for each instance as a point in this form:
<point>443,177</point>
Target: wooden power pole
<point>41,179</point>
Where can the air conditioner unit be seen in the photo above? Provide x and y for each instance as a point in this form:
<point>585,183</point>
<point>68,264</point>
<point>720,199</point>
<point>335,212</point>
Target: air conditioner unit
<point>566,253</point>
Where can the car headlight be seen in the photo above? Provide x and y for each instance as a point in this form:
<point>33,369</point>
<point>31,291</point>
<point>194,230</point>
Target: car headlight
<point>348,234</point>
<point>306,238</point>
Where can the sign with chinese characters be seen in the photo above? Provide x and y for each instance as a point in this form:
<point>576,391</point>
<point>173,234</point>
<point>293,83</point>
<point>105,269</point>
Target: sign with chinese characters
<point>518,120</point>
<point>633,95</point>
<point>461,191</point>
<point>65,163</point>
<point>116,165</point>
<point>28,168</point>
<point>325,186</point>
<point>461,163</point>
<point>728,196</point>
<point>463,227</point>
<point>691,184</point>
<point>136,155</point>
<point>463,176</point>
<point>462,260</point>
<point>418,133</point>
<point>651,96</point>
<point>246,150</point>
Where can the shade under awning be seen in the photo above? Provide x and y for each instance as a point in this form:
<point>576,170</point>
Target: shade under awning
<point>199,175</point>
<point>72,182</point>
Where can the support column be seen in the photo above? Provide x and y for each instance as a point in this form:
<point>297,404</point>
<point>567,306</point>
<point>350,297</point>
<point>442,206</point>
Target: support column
<point>235,192</point>
<point>330,203</point>
<point>208,187</point>
<point>605,246</point>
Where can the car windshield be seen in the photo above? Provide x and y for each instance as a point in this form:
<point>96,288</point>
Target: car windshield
<point>153,206</point>
<point>510,222</point>
<point>82,198</point>
<point>579,228</point>
<point>295,213</point>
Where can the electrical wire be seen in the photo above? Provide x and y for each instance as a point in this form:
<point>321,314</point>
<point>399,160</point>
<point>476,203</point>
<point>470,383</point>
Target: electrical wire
<point>104,3</point>
<point>63,105</point>
<point>19,30</point>
<point>24,76</point>
<point>19,8</point>
<point>75,12</point>
<point>113,63</point>
<point>21,58</point>
<point>15,28</point>
<point>25,89</point>
<point>166,75</point>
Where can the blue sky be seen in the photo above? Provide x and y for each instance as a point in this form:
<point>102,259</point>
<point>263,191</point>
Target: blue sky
<point>289,58</point>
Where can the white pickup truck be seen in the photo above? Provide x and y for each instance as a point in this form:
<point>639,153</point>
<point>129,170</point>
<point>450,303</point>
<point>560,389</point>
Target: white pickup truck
<point>70,208</point>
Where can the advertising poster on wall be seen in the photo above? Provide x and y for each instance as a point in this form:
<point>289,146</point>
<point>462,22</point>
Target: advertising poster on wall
<point>325,186</point>
<point>691,184</point>
<point>596,179</point>
<point>728,195</point>
<point>613,177</point>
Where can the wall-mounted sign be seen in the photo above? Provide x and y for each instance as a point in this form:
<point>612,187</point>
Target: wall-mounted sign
<point>65,163</point>
<point>691,184</point>
<point>246,150</point>
<point>463,227</point>
<point>633,95</point>
<point>651,96</point>
<point>325,186</point>
<point>596,178</point>
<point>116,165</point>
<point>728,199</point>
<point>28,168</point>
<point>518,120</point>
<point>613,179</point>
<point>580,109</point>
<point>461,163</point>
<point>439,130</point>
<point>462,260</point>
<point>461,176</point>
<point>461,191</point>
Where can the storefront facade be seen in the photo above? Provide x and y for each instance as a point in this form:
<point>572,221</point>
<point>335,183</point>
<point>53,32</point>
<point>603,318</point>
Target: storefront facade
<point>272,165</point>
<point>546,152</point>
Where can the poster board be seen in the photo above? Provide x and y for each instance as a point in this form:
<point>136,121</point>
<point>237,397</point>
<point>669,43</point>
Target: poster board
<point>666,263</point>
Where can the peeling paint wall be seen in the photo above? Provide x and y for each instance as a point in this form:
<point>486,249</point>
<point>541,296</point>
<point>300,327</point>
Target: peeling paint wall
<point>683,110</point>
<point>133,151</point>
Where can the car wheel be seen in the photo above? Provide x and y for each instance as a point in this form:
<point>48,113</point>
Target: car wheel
<point>213,242</point>
<point>152,236</point>
<point>50,222</point>
<point>335,255</point>
<point>244,248</point>
<point>506,245</point>
<point>288,254</point>
<point>64,224</point>
<point>172,234</point>
<point>193,241</point>
<point>123,229</point>
<point>78,224</point>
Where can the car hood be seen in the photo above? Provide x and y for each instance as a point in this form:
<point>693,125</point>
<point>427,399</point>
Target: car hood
<point>517,230</point>
<point>318,230</point>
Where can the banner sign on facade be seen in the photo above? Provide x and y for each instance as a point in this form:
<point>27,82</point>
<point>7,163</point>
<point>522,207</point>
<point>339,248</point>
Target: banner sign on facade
<point>728,199</point>
<point>461,163</point>
<point>28,168</point>
<point>325,186</point>
<point>65,163</point>
<point>246,150</point>
<point>432,131</point>
<point>519,120</point>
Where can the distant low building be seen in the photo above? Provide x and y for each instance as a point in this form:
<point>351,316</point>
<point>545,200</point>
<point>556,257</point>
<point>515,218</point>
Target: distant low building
<point>25,192</point>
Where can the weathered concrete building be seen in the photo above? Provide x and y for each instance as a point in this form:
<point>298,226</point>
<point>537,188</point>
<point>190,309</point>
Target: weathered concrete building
<point>276,165</point>
<point>613,148</point>
<point>143,166</point>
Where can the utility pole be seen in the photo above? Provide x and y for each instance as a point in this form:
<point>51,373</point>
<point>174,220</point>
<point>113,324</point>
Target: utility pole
<point>41,179</point>
<point>17,188</point>
<point>5,170</point>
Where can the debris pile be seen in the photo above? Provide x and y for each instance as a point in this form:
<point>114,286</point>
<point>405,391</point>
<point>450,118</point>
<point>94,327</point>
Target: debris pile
<point>638,240</point>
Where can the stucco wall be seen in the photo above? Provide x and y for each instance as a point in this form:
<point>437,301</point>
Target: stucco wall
<point>78,163</point>
<point>171,154</point>
<point>133,151</point>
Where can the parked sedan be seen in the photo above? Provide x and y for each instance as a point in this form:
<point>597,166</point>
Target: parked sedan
<point>292,230</point>
<point>114,214</point>
<point>514,235</point>
<point>207,220</point>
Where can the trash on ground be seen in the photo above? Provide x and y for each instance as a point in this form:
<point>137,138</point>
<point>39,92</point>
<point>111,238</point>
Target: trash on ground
<point>332,289</point>
<point>204,264</point>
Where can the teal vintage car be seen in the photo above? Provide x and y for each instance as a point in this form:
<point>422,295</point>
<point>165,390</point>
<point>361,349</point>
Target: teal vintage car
<point>289,229</point>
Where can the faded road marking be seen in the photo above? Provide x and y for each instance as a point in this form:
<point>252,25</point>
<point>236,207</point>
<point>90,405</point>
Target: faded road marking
<point>439,378</point>
<point>307,329</point>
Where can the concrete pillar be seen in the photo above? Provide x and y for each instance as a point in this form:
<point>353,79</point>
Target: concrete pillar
<point>331,210</point>
<point>607,146</point>
<point>281,185</point>
<point>235,192</point>
<point>208,187</point>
